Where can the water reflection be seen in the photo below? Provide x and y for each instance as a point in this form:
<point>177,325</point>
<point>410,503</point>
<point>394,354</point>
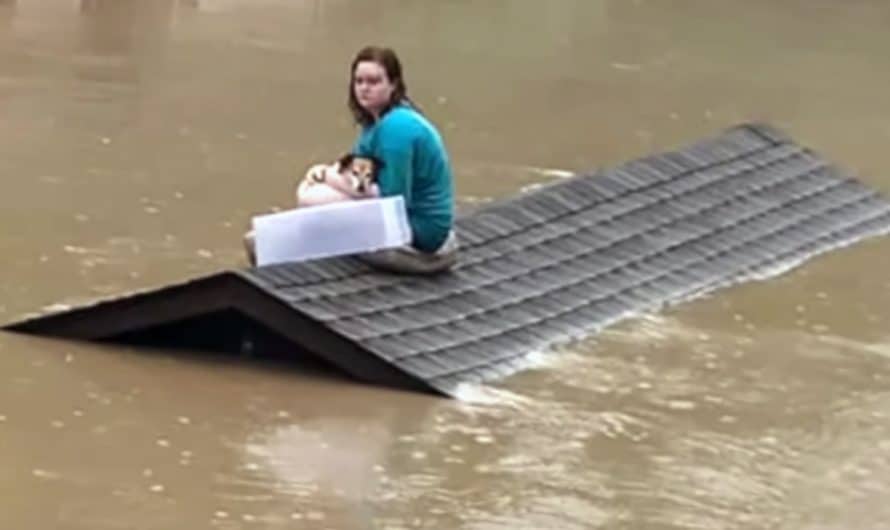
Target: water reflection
<point>122,41</point>
<point>333,462</point>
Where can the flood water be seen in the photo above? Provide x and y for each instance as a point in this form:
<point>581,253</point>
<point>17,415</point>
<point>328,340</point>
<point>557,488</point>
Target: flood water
<point>137,138</point>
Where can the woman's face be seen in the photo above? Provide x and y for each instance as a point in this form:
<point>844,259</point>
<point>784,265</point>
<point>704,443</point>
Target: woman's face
<point>373,88</point>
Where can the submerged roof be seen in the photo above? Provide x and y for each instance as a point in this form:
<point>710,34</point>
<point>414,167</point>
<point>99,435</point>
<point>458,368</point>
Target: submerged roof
<point>547,266</point>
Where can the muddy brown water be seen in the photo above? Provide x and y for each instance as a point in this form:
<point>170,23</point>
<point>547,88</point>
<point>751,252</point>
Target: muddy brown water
<point>136,139</point>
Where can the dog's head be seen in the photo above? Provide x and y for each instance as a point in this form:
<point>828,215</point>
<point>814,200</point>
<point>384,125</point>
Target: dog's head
<point>363,169</point>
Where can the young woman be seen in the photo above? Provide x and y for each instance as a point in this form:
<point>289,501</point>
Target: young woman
<point>415,162</point>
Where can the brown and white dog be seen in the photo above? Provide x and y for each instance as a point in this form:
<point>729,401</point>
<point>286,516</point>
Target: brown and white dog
<point>349,178</point>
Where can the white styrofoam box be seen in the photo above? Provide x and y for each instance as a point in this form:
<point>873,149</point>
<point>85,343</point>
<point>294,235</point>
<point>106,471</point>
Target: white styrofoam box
<point>335,229</point>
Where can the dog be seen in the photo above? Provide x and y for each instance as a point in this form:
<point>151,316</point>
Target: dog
<point>351,177</point>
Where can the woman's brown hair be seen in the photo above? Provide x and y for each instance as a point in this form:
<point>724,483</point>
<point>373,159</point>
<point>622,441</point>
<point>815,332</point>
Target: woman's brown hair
<point>388,59</point>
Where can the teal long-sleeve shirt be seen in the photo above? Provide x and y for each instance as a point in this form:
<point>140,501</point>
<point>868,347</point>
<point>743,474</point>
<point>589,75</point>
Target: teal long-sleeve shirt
<point>415,166</point>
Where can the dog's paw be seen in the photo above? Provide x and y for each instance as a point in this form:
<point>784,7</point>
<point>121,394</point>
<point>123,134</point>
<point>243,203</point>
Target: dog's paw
<point>317,173</point>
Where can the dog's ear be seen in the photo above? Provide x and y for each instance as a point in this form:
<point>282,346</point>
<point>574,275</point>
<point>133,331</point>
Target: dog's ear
<point>346,160</point>
<point>378,165</point>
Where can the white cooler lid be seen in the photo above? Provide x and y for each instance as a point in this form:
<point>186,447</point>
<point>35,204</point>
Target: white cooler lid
<point>335,229</point>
